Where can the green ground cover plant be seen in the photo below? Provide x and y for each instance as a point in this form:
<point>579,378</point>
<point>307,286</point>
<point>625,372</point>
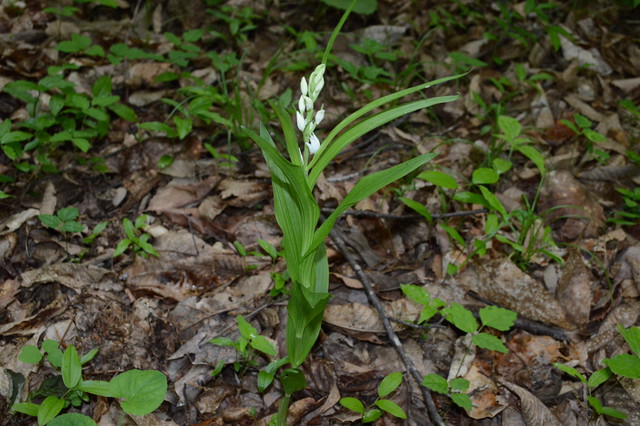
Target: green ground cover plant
<point>374,411</point>
<point>135,239</point>
<point>139,392</point>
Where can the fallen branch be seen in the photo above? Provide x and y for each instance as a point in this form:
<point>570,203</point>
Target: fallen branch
<point>397,345</point>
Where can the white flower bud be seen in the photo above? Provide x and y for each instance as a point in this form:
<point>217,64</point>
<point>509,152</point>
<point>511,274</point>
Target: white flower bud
<point>319,116</point>
<point>313,144</point>
<point>308,103</point>
<point>316,81</point>
<point>300,121</point>
<point>303,87</point>
<point>301,104</point>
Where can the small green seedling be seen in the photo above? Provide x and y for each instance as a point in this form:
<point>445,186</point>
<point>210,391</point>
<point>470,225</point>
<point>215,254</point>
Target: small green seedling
<point>625,365</point>
<point>630,213</point>
<point>139,243</point>
<point>582,127</point>
<point>374,411</point>
<point>64,220</point>
<point>246,346</point>
<point>140,391</point>
<point>455,388</point>
<point>490,316</point>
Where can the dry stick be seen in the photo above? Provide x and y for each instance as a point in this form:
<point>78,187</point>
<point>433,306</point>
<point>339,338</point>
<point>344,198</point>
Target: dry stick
<point>397,345</point>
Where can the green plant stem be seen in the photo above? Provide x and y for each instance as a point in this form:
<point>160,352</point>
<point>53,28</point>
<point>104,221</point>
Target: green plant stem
<point>336,31</point>
<point>283,409</point>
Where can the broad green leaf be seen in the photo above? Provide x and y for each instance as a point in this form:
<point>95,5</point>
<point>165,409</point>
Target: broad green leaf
<point>632,337</point>
<point>68,213</point>
<point>125,112</point>
<point>436,383</point>
<point>594,136</point>
<point>30,355</point>
<point>365,187</point>
<point>599,377</point>
<point>121,247</point>
<point>96,387</point>
<point>417,207</point>
<point>371,416</point>
<point>491,226</point>
<point>452,233</point>
<point>28,408</point>
<point>129,228</point>
<point>352,404</point>
<point>489,341</point>
<point>612,412</point>
<point>148,248</point>
<point>471,198</point>
<point>624,365</point>
<point>54,354</point>
<point>72,227</point>
<point>293,380</point>
<point>97,114</point>
<point>260,343</point>
<point>76,44</point>
<point>245,328</point>
<point>571,371</point>
<point>268,248</point>
<point>156,126</point>
<point>222,341</point>
<point>461,317</point>
<point>389,384</point>
<point>142,391</point>
<point>534,155</point>
<point>498,318</point>
<point>49,408</point>
<point>50,221</point>
<point>462,400</point>
<point>72,419</point>
<point>484,175</point>
<point>165,161</point>
<point>303,322</point>
<point>439,179</point>
<point>582,121</point>
<point>17,136</point>
<point>183,126</point>
<point>493,201</point>
<point>509,126</point>
<point>391,408</point>
<point>459,384</point>
<point>416,293</point>
<point>81,143</point>
<point>71,367</point>
<point>264,379</point>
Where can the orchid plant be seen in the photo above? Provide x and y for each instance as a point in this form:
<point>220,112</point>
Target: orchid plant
<point>296,209</point>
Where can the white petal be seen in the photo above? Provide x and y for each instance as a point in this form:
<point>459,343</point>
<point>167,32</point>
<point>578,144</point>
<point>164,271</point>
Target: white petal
<point>303,87</point>
<point>301,106</point>
<point>319,116</point>
<point>300,121</point>
<point>308,103</point>
<point>313,144</point>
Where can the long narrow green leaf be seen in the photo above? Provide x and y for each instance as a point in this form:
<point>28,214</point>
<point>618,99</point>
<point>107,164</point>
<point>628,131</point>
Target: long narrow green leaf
<point>296,210</point>
<point>363,189</point>
<point>377,104</point>
<point>289,133</point>
<point>366,126</point>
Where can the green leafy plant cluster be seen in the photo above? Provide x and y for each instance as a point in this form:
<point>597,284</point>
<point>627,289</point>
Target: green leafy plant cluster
<point>246,346</point>
<point>71,116</point>
<point>135,239</point>
<point>64,220</point>
<point>139,391</point>
<point>623,365</point>
<point>373,412</point>
<point>582,129</point>
<point>463,319</point>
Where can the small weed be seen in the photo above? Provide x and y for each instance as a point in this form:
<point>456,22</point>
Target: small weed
<point>246,346</point>
<point>624,365</point>
<point>582,128</point>
<point>63,221</point>
<point>139,243</point>
<point>374,411</point>
<point>140,391</point>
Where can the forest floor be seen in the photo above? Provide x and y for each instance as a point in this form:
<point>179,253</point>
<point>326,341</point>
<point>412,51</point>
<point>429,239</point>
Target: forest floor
<point>137,217</point>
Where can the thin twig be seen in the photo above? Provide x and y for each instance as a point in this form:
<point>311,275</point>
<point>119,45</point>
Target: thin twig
<point>397,345</point>
<point>364,213</point>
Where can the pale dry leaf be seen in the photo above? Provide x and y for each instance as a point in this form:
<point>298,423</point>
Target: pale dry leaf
<point>486,398</point>
<point>535,413</point>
